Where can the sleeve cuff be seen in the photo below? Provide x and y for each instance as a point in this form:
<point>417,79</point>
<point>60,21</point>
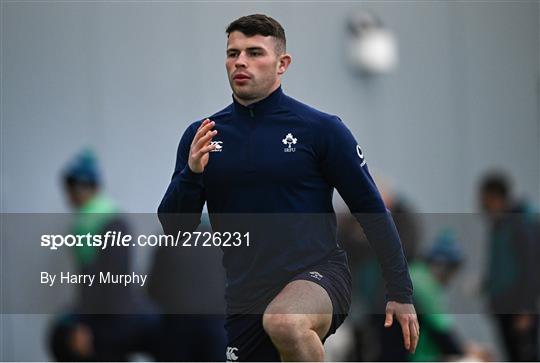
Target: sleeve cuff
<point>402,299</point>
<point>188,175</point>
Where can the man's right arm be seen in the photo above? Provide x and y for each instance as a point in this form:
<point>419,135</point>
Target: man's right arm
<point>181,207</point>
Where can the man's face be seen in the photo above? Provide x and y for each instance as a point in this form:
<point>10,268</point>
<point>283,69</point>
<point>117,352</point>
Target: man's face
<point>492,203</point>
<point>78,195</point>
<point>253,67</point>
<point>443,272</point>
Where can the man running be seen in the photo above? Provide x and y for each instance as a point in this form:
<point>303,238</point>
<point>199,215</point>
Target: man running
<point>275,162</point>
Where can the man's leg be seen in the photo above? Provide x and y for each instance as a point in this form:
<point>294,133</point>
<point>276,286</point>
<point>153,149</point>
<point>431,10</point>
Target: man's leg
<point>298,319</point>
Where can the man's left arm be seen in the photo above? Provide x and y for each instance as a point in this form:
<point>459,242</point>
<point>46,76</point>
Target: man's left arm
<point>343,164</point>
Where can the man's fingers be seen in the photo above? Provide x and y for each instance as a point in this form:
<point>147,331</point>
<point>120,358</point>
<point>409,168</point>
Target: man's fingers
<point>389,318</point>
<point>206,149</point>
<point>406,333</point>
<point>203,129</point>
<point>406,316</point>
<point>204,123</point>
<point>415,334</point>
<point>201,145</point>
<point>206,120</point>
<point>203,141</point>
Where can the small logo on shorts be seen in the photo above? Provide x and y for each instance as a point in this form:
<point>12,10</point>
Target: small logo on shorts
<point>315,275</point>
<point>231,354</point>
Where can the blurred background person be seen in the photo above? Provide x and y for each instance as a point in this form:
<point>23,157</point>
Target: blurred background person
<point>512,275</point>
<point>367,311</point>
<point>431,276</point>
<point>107,322</point>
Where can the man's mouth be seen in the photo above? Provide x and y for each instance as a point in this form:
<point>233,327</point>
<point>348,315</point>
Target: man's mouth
<point>241,77</point>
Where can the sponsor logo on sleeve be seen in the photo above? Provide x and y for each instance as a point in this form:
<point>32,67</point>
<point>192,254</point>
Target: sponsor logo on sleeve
<point>360,155</point>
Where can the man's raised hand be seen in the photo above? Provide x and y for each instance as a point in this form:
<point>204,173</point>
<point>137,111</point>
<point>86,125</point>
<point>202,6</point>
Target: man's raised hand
<point>201,146</point>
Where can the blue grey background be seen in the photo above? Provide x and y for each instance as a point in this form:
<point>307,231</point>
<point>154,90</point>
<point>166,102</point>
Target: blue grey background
<point>128,77</point>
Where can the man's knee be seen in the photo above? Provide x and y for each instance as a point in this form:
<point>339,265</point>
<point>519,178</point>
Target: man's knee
<point>286,328</point>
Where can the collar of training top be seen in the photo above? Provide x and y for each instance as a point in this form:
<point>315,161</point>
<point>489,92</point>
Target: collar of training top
<point>263,105</point>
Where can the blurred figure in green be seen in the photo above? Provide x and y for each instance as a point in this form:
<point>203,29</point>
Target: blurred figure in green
<point>94,212</point>
<point>512,276</point>
<point>431,276</point>
<point>107,322</point>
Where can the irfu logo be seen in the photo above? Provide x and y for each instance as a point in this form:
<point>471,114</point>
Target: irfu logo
<point>289,140</point>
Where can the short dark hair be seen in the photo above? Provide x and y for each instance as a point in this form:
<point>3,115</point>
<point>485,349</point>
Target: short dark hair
<point>260,24</point>
<point>496,183</point>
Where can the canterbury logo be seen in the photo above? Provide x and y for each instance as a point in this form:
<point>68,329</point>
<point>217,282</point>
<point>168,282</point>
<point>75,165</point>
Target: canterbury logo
<point>219,146</point>
<point>231,354</point>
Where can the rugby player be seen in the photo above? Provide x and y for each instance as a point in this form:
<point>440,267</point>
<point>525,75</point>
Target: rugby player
<point>269,155</point>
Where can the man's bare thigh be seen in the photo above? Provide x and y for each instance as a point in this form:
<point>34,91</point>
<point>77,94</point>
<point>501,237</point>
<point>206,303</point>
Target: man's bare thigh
<point>306,298</point>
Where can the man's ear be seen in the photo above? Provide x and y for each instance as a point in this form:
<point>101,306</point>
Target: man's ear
<point>283,63</point>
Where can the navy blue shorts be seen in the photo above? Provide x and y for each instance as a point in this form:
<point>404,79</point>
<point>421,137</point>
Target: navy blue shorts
<point>247,340</point>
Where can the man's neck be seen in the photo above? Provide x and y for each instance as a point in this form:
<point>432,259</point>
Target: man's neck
<point>246,103</point>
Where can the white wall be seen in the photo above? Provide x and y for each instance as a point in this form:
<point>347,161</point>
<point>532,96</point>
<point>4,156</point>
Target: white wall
<point>128,77</point>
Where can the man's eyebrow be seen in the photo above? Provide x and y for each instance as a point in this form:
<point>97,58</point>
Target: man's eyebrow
<point>250,49</point>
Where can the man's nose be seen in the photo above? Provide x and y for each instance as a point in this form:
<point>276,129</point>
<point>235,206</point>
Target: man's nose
<point>241,60</point>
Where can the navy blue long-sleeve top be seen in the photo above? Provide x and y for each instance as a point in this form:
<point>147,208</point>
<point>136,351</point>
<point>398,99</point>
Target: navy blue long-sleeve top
<point>273,174</point>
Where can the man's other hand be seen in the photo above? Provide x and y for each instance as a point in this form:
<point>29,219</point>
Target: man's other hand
<point>406,316</point>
